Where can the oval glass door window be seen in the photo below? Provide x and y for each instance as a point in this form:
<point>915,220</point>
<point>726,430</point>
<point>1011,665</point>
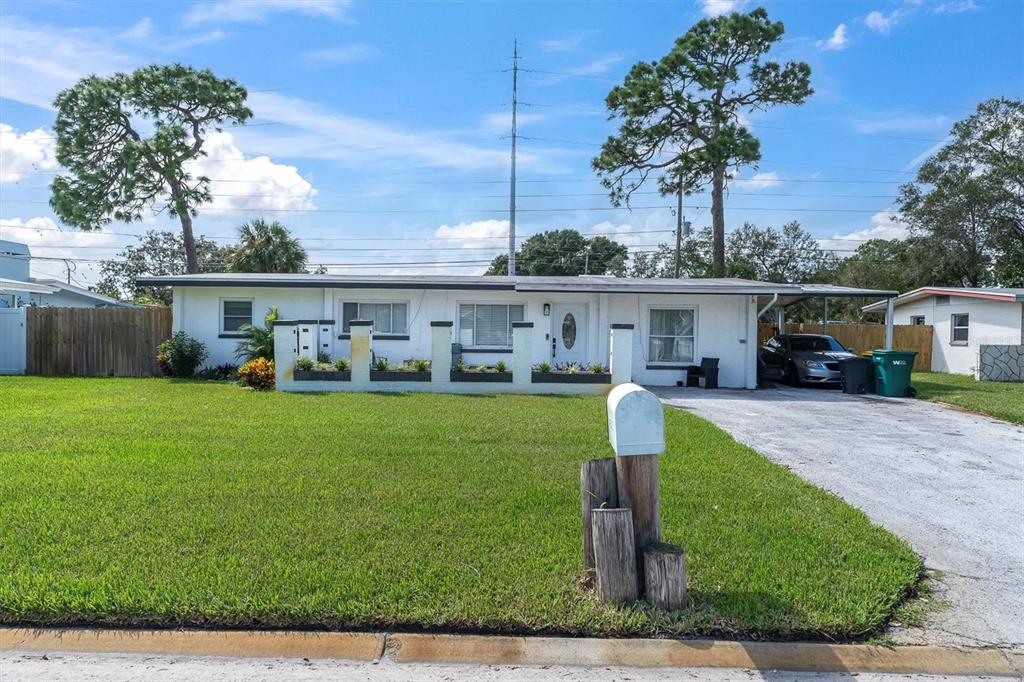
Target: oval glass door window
<point>569,331</point>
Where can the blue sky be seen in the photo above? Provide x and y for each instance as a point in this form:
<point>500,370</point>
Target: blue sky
<point>380,129</point>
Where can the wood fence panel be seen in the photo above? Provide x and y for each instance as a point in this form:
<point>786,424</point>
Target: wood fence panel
<point>95,341</point>
<point>864,337</point>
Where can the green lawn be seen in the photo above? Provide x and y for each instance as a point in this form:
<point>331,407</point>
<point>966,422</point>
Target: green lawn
<point>1000,399</point>
<point>149,501</point>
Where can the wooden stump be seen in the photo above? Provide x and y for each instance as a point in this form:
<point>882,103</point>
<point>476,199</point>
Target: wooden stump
<point>614,556</point>
<point>637,477</point>
<point>598,490</point>
<point>665,576</point>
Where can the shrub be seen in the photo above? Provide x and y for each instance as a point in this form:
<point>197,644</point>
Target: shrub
<point>480,368</point>
<point>258,373</point>
<point>341,364</point>
<point>179,355</point>
<point>499,366</point>
<point>323,358</point>
<point>324,366</point>
<point>381,364</point>
<point>544,367</point>
<point>460,366</point>
<point>225,372</point>
<point>258,341</point>
<point>304,363</point>
<point>597,368</point>
<point>572,368</point>
<point>421,364</point>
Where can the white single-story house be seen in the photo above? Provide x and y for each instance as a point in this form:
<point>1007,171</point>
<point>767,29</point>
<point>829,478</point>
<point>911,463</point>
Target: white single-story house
<point>675,322</point>
<point>19,289</point>
<point>963,319</point>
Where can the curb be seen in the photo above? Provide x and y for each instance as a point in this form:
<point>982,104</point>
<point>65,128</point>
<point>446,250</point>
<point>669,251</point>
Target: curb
<point>402,648</point>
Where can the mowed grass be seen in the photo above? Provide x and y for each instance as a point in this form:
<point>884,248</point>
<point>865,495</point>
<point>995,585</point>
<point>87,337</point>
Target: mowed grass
<point>1000,399</point>
<point>148,501</point>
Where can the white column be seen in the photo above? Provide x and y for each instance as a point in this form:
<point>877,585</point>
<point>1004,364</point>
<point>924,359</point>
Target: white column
<point>890,312</point>
<point>285,352</point>
<point>782,319</point>
<point>362,337</point>
<point>440,351</point>
<point>522,347</point>
<point>621,353</point>
<point>307,338</point>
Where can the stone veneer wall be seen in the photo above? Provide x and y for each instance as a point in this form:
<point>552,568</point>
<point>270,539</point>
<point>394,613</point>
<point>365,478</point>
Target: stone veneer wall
<point>1000,363</point>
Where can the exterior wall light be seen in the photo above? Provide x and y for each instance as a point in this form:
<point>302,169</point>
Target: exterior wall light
<point>547,309</point>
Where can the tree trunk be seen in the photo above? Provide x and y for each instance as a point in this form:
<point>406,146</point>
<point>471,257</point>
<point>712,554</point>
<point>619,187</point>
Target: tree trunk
<point>189,240</point>
<point>718,220</point>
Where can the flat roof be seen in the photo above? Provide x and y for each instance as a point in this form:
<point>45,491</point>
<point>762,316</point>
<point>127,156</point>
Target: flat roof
<point>1005,294</point>
<point>585,283</point>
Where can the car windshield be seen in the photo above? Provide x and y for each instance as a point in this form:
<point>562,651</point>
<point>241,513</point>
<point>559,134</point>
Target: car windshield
<point>815,344</point>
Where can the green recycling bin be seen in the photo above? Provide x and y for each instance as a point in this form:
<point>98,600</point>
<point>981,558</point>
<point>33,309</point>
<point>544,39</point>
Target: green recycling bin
<point>892,372</point>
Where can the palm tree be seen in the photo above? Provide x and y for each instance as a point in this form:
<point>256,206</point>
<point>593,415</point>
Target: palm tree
<point>267,247</point>
<point>258,341</point>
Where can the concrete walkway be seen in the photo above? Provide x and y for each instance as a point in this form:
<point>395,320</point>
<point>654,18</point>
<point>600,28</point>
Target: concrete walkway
<point>949,482</point>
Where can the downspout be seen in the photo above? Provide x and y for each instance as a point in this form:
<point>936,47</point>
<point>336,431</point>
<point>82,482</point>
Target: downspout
<point>768,306</point>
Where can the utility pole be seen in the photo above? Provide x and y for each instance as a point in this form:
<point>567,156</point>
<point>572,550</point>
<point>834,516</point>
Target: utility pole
<point>512,179</point>
<point>679,227</point>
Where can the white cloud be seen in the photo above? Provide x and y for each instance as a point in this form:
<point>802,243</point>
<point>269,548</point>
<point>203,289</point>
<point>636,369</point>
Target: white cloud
<point>759,181</point>
<point>345,54</point>
<point>838,40</point>
<point>956,7</point>
<point>25,154</point>
<point>184,42</point>
<point>714,8</point>
<point>925,155</point>
<point>360,142</point>
<point>258,10</point>
<point>885,225</point>
<point>903,123</point>
<point>568,44</point>
<point>254,183</point>
<point>476,234</point>
<point>624,233</point>
<point>598,66</point>
<point>140,30</point>
<point>881,22</point>
<point>502,121</point>
<point>44,239</point>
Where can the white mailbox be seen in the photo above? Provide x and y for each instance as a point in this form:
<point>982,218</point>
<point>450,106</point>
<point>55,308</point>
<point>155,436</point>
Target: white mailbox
<point>636,421</point>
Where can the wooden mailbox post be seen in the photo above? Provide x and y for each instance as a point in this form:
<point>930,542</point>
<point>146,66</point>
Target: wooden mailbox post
<point>636,430</point>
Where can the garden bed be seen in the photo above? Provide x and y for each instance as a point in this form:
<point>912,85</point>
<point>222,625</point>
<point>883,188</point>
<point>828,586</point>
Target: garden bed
<point>187,503</point>
<point>483,377</point>
<point>398,375</point>
<point>322,375</point>
<point>570,378</point>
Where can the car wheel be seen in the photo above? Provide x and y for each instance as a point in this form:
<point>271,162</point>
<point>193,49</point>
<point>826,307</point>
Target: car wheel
<point>792,376</point>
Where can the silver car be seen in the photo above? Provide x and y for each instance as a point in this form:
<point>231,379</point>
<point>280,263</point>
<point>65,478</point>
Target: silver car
<point>802,359</point>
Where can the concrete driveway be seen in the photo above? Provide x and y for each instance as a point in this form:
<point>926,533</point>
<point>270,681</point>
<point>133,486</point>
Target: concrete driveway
<point>949,482</point>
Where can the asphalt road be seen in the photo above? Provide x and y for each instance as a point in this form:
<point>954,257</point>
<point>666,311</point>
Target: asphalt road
<point>949,482</point>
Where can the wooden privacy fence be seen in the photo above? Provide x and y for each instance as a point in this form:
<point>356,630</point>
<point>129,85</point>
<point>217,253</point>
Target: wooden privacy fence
<point>95,341</point>
<point>863,337</point>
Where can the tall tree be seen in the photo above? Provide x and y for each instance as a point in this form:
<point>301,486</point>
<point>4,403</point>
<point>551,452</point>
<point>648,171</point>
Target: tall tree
<point>267,247</point>
<point>967,201</point>
<point>156,253</point>
<point>680,116</point>
<point>565,253</point>
<point>789,255</point>
<point>125,140</point>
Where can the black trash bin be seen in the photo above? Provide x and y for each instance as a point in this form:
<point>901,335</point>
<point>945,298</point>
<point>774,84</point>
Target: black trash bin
<point>856,375</point>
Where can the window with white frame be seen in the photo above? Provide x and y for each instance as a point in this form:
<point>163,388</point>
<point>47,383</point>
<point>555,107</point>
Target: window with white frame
<point>917,320</point>
<point>959,324</point>
<point>488,325</point>
<point>387,318</point>
<point>672,335</point>
<point>235,312</point>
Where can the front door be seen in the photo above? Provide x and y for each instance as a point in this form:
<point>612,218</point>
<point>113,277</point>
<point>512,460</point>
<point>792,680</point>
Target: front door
<point>569,333</point>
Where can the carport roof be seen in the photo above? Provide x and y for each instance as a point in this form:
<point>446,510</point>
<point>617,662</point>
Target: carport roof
<point>787,293</point>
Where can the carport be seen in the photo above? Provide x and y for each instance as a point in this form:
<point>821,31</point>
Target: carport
<point>780,301</point>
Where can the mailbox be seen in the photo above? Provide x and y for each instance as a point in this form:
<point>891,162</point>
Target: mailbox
<point>636,421</point>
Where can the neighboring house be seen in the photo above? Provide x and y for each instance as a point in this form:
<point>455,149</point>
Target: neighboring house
<point>962,319</point>
<point>676,321</point>
<point>18,288</point>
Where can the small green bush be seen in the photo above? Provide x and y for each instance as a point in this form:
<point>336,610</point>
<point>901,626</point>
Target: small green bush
<point>180,355</point>
<point>499,366</point>
<point>323,358</point>
<point>480,368</point>
<point>381,364</point>
<point>597,368</point>
<point>544,367</point>
<point>460,366</point>
<point>573,368</point>
<point>421,364</point>
<point>341,364</point>
<point>304,363</point>
<point>225,372</point>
